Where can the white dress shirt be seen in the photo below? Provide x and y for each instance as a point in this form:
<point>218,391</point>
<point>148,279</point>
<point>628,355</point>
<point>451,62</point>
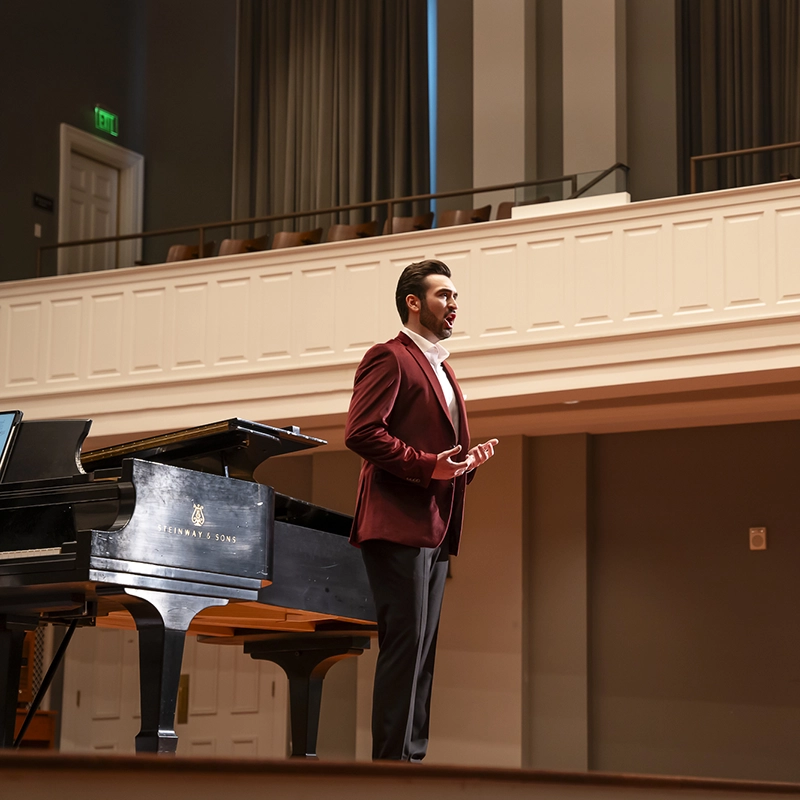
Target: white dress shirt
<point>436,354</point>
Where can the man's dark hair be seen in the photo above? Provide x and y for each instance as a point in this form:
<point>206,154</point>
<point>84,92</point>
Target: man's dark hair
<point>412,281</point>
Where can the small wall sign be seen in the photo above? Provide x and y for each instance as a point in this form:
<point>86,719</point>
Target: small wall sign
<point>106,121</point>
<point>43,202</point>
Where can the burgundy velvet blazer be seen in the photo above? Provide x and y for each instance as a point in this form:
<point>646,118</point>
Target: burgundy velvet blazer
<point>398,422</point>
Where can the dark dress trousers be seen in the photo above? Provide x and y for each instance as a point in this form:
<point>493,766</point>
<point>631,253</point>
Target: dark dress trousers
<point>406,524</point>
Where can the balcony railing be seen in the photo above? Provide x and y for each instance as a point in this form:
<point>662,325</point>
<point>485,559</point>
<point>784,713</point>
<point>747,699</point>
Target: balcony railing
<point>565,187</point>
<point>695,160</point>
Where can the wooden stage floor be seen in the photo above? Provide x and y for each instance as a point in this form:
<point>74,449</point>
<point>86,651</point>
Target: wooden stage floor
<point>40,776</point>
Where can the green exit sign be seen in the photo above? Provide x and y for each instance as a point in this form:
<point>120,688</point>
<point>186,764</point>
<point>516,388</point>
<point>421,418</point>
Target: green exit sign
<point>106,121</point>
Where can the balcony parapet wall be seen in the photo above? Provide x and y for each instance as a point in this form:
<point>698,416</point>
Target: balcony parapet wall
<point>609,299</point>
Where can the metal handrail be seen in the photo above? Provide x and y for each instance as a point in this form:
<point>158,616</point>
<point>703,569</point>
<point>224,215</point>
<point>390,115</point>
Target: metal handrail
<point>694,160</point>
<point>389,203</point>
<point>604,174</point>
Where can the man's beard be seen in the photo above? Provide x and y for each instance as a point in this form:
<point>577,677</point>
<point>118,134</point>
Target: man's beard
<point>429,321</point>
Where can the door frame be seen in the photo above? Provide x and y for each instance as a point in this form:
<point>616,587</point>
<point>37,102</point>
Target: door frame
<point>130,209</point>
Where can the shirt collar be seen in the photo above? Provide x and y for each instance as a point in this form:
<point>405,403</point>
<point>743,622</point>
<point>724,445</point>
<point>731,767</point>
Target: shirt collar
<point>433,350</point>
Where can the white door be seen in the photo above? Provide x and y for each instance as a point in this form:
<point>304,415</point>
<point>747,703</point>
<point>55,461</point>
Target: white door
<point>237,706</point>
<point>93,213</point>
<point>100,710</point>
<point>101,185</point>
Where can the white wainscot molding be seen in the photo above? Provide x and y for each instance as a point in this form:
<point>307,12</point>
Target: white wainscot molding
<point>665,290</point>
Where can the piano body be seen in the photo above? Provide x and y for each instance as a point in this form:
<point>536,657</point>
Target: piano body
<point>171,535</point>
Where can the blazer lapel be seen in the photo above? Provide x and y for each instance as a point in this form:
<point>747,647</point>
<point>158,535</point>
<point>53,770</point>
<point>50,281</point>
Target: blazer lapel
<point>426,367</point>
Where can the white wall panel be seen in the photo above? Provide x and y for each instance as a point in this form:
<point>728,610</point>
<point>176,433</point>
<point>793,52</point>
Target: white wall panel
<point>743,248</point>
<point>189,325</point>
<point>691,257</point>
<point>105,336</point>
<point>593,278</point>
<point>661,290</point>
<point>275,313</point>
<point>496,282</point>
<point>230,321</point>
<point>315,315</point>
<point>64,351</point>
<point>358,320</point>
<point>25,325</point>
<point>787,262</point>
<point>641,272</point>
<point>545,286</point>
<point>149,319</point>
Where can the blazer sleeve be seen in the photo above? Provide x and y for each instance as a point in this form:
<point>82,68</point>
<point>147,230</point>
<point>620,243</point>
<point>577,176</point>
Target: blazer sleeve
<point>367,433</point>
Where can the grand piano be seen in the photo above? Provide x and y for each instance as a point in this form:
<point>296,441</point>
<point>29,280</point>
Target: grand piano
<point>172,535</point>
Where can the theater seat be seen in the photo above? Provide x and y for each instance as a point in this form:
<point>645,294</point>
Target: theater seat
<point>340,233</point>
<point>230,247</point>
<point>421,222</point>
<point>463,216</point>
<point>292,239</point>
<point>185,252</point>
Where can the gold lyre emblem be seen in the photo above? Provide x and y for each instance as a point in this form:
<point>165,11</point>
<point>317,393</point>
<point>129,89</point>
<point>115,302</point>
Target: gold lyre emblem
<point>198,517</point>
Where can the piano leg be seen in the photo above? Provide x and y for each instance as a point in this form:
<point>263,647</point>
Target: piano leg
<point>12,637</point>
<point>162,620</point>
<point>306,660</point>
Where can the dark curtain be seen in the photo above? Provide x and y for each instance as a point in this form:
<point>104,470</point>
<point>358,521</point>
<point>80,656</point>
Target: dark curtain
<point>740,65</point>
<point>332,106</point>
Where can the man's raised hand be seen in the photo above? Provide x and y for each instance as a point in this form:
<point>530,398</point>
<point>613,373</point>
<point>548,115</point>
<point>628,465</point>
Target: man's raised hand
<point>480,454</point>
<point>446,468</point>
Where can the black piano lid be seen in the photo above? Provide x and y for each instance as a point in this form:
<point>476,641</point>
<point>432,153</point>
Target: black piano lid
<point>235,447</point>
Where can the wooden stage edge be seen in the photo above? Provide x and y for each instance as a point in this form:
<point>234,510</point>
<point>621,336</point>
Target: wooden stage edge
<point>37,776</point>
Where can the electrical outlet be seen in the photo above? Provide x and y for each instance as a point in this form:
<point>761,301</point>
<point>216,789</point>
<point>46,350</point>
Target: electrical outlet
<point>758,538</point>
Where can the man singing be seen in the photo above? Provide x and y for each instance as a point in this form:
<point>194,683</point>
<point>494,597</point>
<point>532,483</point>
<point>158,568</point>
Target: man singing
<point>408,422</point>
